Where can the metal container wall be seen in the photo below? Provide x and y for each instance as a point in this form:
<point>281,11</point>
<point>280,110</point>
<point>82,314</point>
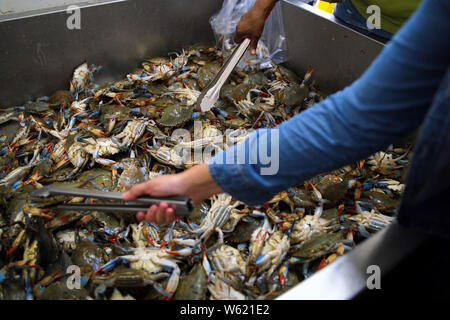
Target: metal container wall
<point>38,53</point>
<point>315,38</point>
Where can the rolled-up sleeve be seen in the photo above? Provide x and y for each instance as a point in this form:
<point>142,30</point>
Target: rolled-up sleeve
<point>389,101</point>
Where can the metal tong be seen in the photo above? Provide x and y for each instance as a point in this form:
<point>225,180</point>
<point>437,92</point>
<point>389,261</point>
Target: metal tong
<point>210,94</point>
<point>183,204</point>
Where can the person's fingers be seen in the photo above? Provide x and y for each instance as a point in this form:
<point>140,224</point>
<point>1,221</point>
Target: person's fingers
<point>136,191</point>
<point>170,215</point>
<point>150,216</point>
<point>160,215</point>
<point>140,215</point>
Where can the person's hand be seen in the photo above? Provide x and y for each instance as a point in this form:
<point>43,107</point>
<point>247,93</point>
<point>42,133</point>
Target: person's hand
<point>251,24</point>
<point>196,183</point>
<point>160,186</point>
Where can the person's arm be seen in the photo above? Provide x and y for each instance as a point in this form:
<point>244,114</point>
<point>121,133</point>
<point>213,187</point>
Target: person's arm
<point>390,100</point>
<point>252,22</point>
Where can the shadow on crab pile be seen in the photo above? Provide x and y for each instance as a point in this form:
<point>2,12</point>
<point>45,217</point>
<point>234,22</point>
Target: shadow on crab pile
<point>113,136</point>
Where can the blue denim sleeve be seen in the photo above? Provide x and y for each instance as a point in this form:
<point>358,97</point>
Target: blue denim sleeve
<point>390,99</point>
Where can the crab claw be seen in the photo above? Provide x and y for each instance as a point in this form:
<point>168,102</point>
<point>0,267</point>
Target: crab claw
<point>21,117</point>
<point>16,243</point>
<point>282,274</point>
<point>173,283</point>
<point>19,183</point>
<point>262,260</point>
<point>59,221</point>
<point>111,265</point>
<point>40,213</point>
<point>105,162</point>
<point>62,162</point>
<point>35,177</point>
<point>11,146</point>
<point>183,252</point>
<point>206,265</point>
<point>11,249</point>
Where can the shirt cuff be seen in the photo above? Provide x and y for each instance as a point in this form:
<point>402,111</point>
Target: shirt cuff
<point>235,180</point>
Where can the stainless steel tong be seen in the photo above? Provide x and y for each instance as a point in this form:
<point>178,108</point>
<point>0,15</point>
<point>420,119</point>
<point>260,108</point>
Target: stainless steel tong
<point>183,204</point>
<point>210,94</point>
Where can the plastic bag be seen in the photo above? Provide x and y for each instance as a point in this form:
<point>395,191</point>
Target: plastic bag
<point>271,45</point>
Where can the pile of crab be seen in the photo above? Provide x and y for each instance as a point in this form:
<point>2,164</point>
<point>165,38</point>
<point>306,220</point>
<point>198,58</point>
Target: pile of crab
<point>114,135</point>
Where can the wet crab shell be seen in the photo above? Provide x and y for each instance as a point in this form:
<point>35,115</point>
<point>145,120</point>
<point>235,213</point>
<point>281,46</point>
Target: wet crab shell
<point>207,73</point>
<point>60,99</point>
<point>243,232</point>
<point>291,96</point>
<point>175,115</point>
<point>317,246</point>
<point>193,285</point>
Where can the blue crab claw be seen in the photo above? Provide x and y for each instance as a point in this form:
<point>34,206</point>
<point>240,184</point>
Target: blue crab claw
<point>168,233</point>
<point>257,214</point>
<point>100,290</point>
<point>116,142</point>
<point>74,91</point>
<point>282,274</point>
<point>18,184</point>
<point>206,265</point>
<point>124,250</point>
<point>185,251</point>
<point>92,114</point>
<point>307,76</point>
<point>306,272</point>
<point>44,152</point>
<point>363,231</point>
<point>183,225</point>
<point>105,162</point>
<point>28,294</point>
<point>284,270</point>
<point>3,151</point>
<point>161,290</point>
<point>377,224</point>
<point>112,264</point>
<point>242,246</point>
<point>262,260</point>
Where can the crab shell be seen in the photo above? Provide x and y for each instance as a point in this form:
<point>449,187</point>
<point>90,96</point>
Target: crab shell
<point>175,116</point>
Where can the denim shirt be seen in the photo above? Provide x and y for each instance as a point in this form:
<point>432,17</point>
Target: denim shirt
<point>405,88</point>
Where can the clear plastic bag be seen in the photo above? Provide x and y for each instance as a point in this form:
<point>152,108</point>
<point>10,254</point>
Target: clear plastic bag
<point>271,45</point>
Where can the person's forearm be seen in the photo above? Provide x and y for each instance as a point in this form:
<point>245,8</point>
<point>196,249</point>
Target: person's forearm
<point>198,183</point>
<point>251,24</point>
<point>264,6</point>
